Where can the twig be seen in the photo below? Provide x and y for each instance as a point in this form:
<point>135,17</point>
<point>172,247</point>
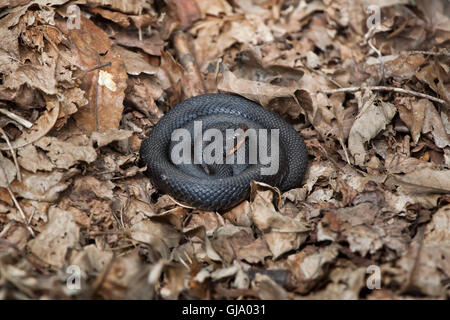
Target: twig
<point>11,149</point>
<point>369,39</point>
<point>181,204</point>
<point>27,124</point>
<point>184,263</point>
<point>139,27</point>
<point>239,143</point>
<point>380,59</point>
<point>188,257</point>
<point>96,96</point>
<point>216,72</point>
<point>6,228</point>
<point>107,64</point>
<point>383,88</point>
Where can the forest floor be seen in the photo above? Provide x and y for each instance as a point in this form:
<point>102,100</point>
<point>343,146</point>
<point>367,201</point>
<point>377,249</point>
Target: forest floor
<point>366,83</point>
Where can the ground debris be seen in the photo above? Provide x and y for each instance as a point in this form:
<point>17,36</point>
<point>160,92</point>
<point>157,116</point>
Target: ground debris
<point>83,82</point>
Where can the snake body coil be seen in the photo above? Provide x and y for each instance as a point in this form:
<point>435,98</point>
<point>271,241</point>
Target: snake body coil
<point>231,183</point>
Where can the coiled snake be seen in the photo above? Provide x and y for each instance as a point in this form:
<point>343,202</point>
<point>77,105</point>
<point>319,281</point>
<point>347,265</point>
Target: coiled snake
<point>220,186</point>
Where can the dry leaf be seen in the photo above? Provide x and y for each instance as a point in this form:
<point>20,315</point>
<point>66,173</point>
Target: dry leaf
<point>60,235</point>
<point>65,154</point>
<point>372,118</point>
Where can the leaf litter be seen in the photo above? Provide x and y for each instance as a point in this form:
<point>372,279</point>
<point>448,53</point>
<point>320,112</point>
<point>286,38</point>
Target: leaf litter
<point>372,105</point>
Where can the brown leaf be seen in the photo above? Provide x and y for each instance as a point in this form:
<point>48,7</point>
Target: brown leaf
<point>438,230</point>
<point>227,240</point>
<point>426,181</point>
<point>84,186</point>
<point>102,139</point>
<point>268,289</point>
<point>43,186</point>
<point>433,123</point>
<point>311,264</point>
<point>60,235</point>
<point>281,233</point>
<point>425,266</point>
<point>135,63</point>
<point>74,99</point>
<point>188,12</point>
<point>160,236</point>
<point>7,171</point>
<point>214,7</point>
<point>240,215</point>
<point>33,159</point>
<point>117,17</point>
<point>41,127</point>
<point>104,88</point>
<point>122,276</point>
<point>152,44</point>
<point>143,94</point>
<point>254,252</point>
<point>92,260</point>
<point>372,118</point>
<point>346,283</point>
<point>132,6</point>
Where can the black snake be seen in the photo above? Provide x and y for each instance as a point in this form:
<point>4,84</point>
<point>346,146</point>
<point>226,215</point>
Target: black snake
<point>220,187</point>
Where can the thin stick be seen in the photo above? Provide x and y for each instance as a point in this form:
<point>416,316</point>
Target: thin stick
<point>6,228</point>
<point>139,27</point>
<point>380,59</point>
<point>383,88</point>
<point>184,263</point>
<point>27,124</point>
<point>238,144</point>
<point>216,72</point>
<point>181,204</point>
<point>19,175</point>
<point>107,64</point>
<point>96,93</point>
<point>25,221</point>
<point>188,257</point>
